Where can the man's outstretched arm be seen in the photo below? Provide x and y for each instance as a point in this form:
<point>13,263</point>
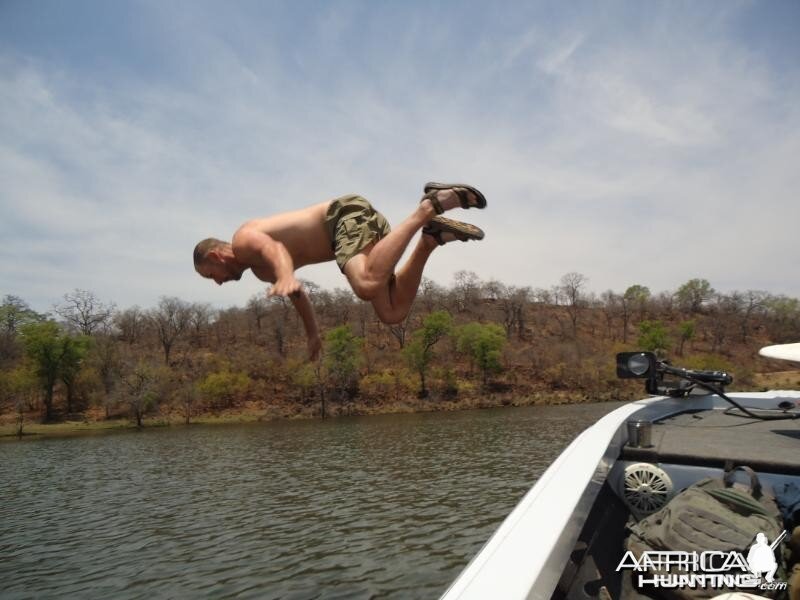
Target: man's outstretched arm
<point>302,304</point>
<point>259,249</point>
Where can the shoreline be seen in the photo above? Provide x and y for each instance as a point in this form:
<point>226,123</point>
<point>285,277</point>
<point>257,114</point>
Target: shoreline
<point>257,413</point>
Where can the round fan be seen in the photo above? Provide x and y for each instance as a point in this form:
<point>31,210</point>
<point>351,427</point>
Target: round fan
<point>647,488</point>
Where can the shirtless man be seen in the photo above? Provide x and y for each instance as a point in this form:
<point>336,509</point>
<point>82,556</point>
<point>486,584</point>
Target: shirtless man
<point>350,231</point>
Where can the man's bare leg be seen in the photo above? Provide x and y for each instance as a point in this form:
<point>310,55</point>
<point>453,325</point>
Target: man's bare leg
<point>371,271</point>
<point>394,301</point>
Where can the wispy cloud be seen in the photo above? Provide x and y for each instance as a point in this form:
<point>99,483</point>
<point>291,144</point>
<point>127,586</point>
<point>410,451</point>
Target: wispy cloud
<point>651,148</point>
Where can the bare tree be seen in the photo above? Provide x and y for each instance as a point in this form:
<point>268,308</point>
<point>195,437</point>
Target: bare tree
<point>199,320</point>
<point>466,289</point>
<point>280,310</point>
<point>612,305</point>
<point>665,304</point>
<point>83,311</point>
<point>511,302</point>
<point>573,297</point>
<point>130,323</point>
<point>492,290</point>
<point>543,296</point>
<point>258,307</point>
<point>430,295</point>
<point>399,331</point>
<point>225,326</point>
<point>783,318</point>
<point>749,305</point>
<point>139,389</point>
<point>312,289</point>
<point>722,316</point>
<point>170,320</point>
<point>342,301</point>
<point>364,312</point>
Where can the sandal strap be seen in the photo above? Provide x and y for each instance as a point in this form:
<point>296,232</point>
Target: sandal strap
<point>437,206</point>
<point>463,191</point>
<point>463,197</point>
<point>435,233</point>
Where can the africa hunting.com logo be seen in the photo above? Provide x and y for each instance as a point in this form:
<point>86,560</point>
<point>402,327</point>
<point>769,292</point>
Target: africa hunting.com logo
<point>708,569</point>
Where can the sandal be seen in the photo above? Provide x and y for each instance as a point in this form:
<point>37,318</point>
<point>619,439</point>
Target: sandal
<point>463,231</point>
<point>461,189</point>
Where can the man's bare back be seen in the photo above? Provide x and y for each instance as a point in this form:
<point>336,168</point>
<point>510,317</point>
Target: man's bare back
<point>302,232</point>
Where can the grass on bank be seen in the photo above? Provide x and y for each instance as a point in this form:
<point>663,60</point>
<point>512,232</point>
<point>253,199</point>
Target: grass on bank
<point>33,430</point>
<point>779,380</point>
<point>253,413</point>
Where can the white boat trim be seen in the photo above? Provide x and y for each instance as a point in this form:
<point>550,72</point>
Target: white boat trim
<point>514,562</point>
<point>525,557</point>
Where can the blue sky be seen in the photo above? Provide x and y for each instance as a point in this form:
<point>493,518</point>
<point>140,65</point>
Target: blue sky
<point>633,142</point>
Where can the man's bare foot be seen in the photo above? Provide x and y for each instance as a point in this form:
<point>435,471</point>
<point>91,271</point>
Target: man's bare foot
<point>447,199</point>
<point>445,196</point>
<point>432,242</point>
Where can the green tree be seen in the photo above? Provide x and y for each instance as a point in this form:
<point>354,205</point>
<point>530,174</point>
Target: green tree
<point>140,389</point>
<point>686,331</point>
<point>224,387</point>
<point>483,343</point>
<point>53,353</point>
<point>104,356</point>
<point>693,294</point>
<point>342,360</point>
<point>14,314</point>
<point>73,352</point>
<point>653,336</point>
<point>634,298</point>
<point>304,378</point>
<point>20,386</point>
<point>419,352</point>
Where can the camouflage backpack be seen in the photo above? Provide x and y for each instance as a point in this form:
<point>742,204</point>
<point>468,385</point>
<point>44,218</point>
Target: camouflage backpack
<point>711,515</point>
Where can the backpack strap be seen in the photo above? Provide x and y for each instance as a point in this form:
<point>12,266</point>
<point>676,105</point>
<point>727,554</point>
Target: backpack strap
<point>755,484</point>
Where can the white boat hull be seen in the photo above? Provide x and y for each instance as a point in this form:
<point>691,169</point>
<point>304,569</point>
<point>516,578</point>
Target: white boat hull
<point>526,556</point>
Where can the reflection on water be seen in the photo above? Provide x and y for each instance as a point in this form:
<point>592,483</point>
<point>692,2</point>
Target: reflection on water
<point>390,507</point>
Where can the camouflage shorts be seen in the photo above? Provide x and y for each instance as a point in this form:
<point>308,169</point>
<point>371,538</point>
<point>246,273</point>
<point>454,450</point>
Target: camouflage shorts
<point>352,224</point>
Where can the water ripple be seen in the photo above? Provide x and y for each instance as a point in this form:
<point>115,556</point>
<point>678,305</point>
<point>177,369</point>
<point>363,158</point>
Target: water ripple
<point>380,507</point>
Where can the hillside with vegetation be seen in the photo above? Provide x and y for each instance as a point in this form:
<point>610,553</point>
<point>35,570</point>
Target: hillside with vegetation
<point>472,344</point>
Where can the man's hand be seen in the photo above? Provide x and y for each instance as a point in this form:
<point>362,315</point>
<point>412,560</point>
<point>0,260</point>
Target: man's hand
<point>314,347</point>
<point>286,286</point>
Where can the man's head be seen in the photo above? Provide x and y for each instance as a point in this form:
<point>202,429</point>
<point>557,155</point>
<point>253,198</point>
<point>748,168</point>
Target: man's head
<point>214,259</point>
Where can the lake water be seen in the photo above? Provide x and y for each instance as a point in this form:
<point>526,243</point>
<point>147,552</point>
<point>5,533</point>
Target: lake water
<point>374,507</point>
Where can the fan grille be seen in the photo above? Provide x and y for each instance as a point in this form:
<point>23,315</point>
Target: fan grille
<point>646,488</point>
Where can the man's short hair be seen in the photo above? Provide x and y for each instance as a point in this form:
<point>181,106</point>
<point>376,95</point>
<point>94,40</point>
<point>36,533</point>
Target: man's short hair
<point>203,248</point>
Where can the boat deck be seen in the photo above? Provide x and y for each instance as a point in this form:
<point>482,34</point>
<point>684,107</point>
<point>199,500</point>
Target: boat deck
<point>713,437</point>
